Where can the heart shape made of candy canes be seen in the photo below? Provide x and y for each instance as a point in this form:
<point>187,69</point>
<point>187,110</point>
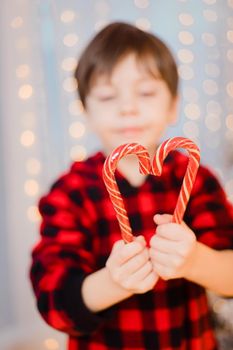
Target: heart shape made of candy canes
<point>145,167</point>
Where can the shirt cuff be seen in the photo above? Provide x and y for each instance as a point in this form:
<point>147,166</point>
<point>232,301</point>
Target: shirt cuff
<point>84,320</point>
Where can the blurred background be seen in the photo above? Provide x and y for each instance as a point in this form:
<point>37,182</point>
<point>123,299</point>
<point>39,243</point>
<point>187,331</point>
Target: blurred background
<point>42,128</point>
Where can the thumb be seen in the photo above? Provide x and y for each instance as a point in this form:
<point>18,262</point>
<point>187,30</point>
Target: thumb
<point>141,239</point>
<point>161,219</point>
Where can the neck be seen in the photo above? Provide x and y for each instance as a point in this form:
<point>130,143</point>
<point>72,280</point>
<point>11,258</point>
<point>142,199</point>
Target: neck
<point>129,167</point>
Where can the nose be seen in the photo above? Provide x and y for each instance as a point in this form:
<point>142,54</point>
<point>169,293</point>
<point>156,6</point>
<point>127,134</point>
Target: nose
<point>128,105</point>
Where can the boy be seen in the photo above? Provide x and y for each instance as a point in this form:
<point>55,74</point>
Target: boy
<point>148,294</point>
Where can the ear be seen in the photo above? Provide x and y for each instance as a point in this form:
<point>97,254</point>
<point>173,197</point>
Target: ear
<point>173,115</point>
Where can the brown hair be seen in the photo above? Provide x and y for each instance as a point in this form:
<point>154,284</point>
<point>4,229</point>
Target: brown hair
<point>114,42</point>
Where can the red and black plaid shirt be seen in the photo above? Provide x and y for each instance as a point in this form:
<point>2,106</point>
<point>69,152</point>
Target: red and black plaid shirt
<point>78,230</point>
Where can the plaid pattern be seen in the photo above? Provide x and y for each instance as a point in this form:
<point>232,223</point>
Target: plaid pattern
<point>78,229</point>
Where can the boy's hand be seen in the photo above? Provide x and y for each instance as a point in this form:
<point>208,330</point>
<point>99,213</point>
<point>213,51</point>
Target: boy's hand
<point>172,248</point>
<point>130,267</point>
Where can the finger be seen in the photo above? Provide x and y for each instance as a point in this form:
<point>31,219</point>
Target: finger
<point>148,282</point>
<point>118,245</point>
<point>124,252</point>
<point>161,219</point>
<point>172,231</point>
<point>135,263</point>
<point>141,239</point>
<point>169,260</point>
<point>162,270</point>
<point>164,245</point>
<point>136,278</point>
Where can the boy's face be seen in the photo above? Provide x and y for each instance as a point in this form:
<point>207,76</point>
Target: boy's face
<point>130,106</point>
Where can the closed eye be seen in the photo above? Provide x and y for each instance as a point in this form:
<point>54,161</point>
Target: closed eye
<point>147,93</point>
<point>106,98</point>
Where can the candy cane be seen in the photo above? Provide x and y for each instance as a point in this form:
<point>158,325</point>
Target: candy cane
<point>111,185</point>
<point>190,175</point>
<point>156,169</point>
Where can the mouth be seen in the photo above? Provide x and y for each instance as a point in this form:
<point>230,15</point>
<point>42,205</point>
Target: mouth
<point>130,131</point>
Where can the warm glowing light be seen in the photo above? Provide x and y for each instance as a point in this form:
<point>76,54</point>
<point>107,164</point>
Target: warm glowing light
<point>27,138</point>
<point>33,166</point>
<point>185,72</point>
<point>230,3</point>
<point>192,111</point>
<point>67,16</point>
<point>31,188</point>
<point>191,129</point>
<point>17,22</point>
<point>210,15</point>
<point>51,344</point>
<point>213,122</point>
<point>70,84</point>
<point>185,56</point>
<point>186,38</point>
<point>77,130</point>
<point>212,70</point>
<point>210,87</point>
<point>143,24</point>
<point>76,107</point>
<point>229,89</point>
<point>70,40</point>
<point>186,19</point>
<point>142,4</point>
<point>209,39</point>
<point>22,71</point>
<point>229,136</point>
<point>33,214</point>
<point>69,64</point>
<point>25,91</point>
<point>230,35</point>
<point>78,152</point>
<point>229,122</point>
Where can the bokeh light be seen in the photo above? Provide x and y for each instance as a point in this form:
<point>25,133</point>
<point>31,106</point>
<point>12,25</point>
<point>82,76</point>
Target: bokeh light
<point>186,19</point>
<point>76,107</point>
<point>27,138</point>
<point>69,64</point>
<point>142,4</point>
<point>33,214</point>
<point>78,153</point>
<point>51,344</point>
<point>186,38</point>
<point>77,130</point>
<point>67,16</point>
<point>25,91</point>
<point>31,187</point>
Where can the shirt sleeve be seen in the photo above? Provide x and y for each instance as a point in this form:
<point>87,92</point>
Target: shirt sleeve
<point>209,213</point>
<point>63,258</point>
